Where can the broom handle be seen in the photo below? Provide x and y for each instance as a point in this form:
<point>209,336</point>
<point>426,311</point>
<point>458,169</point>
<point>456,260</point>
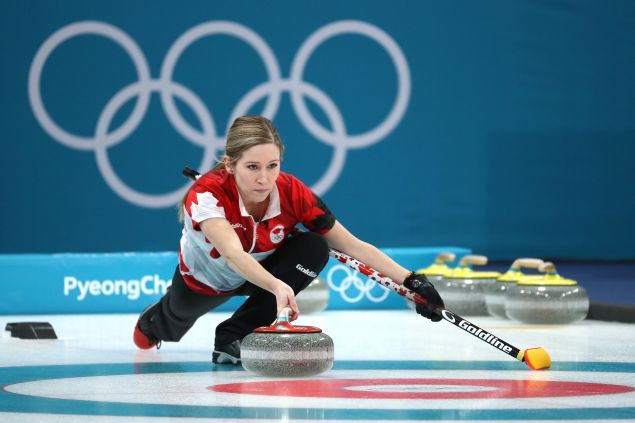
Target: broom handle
<point>447,315</point>
<point>383,280</point>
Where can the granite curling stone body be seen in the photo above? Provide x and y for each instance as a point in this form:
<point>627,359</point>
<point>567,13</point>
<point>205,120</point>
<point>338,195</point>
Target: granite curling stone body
<point>314,298</point>
<point>495,294</point>
<point>285,350</point>
<point>463,289</point>
<point>550,299</point>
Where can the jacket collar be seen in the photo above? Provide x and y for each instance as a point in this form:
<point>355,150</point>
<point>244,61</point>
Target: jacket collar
<point>273,209</point>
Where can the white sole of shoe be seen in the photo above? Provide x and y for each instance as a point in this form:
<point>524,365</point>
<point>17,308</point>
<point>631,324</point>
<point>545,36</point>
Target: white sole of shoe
<point>220,357</point>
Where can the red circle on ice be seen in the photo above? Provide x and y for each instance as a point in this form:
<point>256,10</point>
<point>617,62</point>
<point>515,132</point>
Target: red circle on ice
<point>404,388</point>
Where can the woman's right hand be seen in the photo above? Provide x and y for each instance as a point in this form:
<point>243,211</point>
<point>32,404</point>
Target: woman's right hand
<point>286,298</point>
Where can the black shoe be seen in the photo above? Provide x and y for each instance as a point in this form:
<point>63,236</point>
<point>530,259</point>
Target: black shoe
<point>142,335</point>
<point>227,354</point>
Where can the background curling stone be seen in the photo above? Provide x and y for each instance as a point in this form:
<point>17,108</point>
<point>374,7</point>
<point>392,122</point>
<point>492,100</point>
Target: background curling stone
<point>314,298</point>
<point>436,271</point>
<point>550,299</point>
<point>285,350</point>
<point>495,294</point>
<point>463,289</point>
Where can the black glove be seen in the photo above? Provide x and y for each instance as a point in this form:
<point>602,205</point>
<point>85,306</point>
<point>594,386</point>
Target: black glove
<point>422,286</point>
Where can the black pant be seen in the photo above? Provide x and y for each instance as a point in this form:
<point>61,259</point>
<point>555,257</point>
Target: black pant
<point>180,307</point>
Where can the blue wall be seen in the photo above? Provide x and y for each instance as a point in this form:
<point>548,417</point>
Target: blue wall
<point>517,135</point>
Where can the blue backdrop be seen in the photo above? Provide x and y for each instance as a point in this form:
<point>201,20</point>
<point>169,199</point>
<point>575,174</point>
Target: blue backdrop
<point>507,127</point>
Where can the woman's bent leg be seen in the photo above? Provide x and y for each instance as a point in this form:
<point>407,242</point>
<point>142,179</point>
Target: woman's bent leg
<point>297,263</point>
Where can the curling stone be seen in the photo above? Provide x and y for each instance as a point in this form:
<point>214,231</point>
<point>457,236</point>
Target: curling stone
<point>436,271</point>
<point>495,293</point>
<point>314,298</point>
<point>463,289</point>
<point>549,299</point>
<point>285,350</point>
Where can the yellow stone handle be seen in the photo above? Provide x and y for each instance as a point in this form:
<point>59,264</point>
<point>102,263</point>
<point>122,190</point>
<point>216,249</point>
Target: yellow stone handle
<point>548,267</point>
<point>443,257</point>
<point>531,263</point>
<point>473,259</point>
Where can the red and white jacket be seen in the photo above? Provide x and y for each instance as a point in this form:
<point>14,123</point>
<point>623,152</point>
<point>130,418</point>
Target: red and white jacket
<point>215,195</point>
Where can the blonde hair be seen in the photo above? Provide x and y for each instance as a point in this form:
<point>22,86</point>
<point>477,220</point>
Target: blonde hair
<point>245,132</point>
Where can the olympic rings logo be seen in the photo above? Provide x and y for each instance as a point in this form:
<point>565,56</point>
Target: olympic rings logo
<point>207,137</point>
<point>352,288</point>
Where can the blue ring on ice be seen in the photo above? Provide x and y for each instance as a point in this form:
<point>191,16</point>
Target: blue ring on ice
<point>11,402</point>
